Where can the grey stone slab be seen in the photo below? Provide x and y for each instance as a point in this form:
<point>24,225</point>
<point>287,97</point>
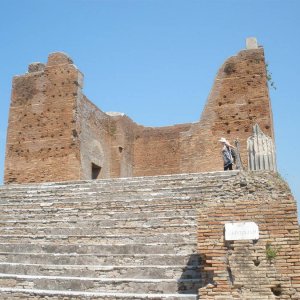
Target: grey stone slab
<point>18,294</point>
<point>98,271</point>
<point>106,249</point>
<point>85,239</point>
<point>110,285</point>
<point>98,259</point>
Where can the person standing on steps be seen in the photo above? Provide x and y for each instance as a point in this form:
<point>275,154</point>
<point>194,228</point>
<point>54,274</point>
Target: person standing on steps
<point>228,154</point>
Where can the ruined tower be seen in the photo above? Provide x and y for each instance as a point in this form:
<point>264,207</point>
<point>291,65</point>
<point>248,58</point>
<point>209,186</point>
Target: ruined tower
<point>55,133</point>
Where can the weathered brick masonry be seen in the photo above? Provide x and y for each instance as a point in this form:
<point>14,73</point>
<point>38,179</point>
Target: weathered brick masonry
<point>42,144</point>
<point>242,269</point>
<point>55,133</point>
<point>109,232</point>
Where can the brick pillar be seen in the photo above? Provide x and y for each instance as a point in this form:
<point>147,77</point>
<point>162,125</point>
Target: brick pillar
<point>42,136</point>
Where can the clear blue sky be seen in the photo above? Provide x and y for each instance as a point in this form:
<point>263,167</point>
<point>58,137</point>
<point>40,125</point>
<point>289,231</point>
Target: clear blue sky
<point>156,60</point>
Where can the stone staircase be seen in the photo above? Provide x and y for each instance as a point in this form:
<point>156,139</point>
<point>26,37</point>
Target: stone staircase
<point>126,238</point>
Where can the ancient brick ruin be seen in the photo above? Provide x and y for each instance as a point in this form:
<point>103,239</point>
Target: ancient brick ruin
<point>156,226</point>
<point>263,268</point>
<point>55,133</point>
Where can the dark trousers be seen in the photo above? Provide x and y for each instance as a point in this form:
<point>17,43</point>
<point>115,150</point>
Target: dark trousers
<point>228,167</point>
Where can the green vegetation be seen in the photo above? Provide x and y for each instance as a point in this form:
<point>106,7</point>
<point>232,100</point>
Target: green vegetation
<point>271,251</point>
<point>269,77</point>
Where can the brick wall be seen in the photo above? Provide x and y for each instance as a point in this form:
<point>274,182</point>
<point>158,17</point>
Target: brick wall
<point>41,144</point>
<point>238,99</point>
<point>242,269</point>
<point>94,136</point>
<point>158,150</point>
<point>55,133</point>
<point>106,141</point>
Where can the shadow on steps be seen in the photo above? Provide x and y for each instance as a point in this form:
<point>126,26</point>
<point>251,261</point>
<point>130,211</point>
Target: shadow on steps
<point>191,279</point>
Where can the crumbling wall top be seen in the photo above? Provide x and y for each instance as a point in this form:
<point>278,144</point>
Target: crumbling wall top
<point>36,67</point>
<point>58,58</point>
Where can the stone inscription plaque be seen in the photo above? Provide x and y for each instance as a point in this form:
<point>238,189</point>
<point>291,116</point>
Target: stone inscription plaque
<point>241,231</point>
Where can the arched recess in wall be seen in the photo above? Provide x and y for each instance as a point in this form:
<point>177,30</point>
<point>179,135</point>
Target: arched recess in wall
<point>97,160</point>
<point>94,165</point>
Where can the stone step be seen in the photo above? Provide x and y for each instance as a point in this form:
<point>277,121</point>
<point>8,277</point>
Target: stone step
<point>107,214</point>
<point>101,199</point>
<point>132,238</point>
<point>100,259</point>
<point>100,239</point>
<point>110,285</point>
<point>91,202</point>
<point>96,203</point>
<point>112,193</point>
<point>100,208</point>
<point>97,230</point>
<point>168,180</point>
<point>105,249</point>
<point>21,294</point>
<point>9,199</point>
<point>142,272</point>
<point>154,221</point>
<point>87,219</point>
<point>120,183</point>
<point>98,199</point>
<point>134,190</point>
